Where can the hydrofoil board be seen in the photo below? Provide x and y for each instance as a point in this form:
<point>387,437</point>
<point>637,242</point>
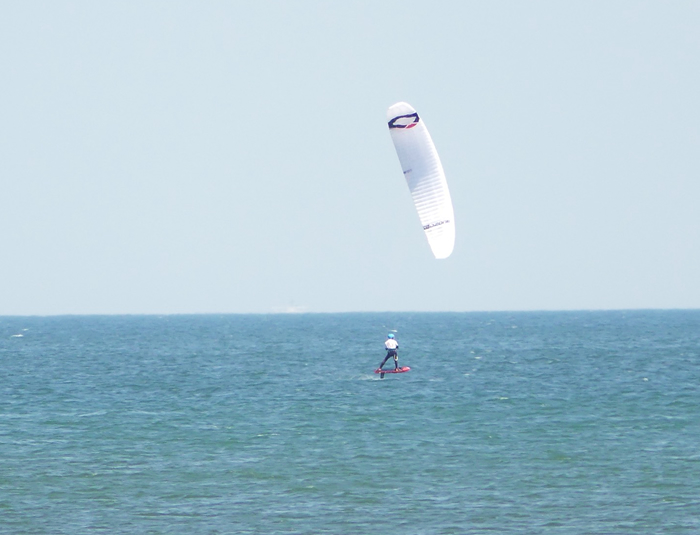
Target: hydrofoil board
<point>402,369</point>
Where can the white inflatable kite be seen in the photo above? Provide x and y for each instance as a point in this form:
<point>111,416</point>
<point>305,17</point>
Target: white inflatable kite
<point>425,178</point>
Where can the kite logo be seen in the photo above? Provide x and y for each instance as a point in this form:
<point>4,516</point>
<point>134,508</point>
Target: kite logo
<point>436,224</point>
<point>404,121</point>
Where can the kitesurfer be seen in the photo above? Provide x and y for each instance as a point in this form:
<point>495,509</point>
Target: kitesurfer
<point>391,346</point>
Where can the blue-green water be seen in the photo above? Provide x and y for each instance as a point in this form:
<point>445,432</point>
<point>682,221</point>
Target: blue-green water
<point>532,423</point>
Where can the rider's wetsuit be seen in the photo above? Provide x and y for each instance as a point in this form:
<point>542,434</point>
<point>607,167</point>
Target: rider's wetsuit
<point>391,346</point>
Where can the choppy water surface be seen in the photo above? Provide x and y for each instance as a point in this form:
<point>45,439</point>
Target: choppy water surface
<point>561,423</point>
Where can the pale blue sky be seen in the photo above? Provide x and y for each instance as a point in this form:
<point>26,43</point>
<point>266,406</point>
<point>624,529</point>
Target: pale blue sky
<point>195,157</point>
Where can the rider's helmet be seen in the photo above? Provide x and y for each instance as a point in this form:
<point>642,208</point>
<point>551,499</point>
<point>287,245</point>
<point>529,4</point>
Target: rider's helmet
<point>390,335</point>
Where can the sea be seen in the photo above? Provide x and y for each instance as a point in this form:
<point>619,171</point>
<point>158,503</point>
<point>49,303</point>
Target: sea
<point>507,423</point>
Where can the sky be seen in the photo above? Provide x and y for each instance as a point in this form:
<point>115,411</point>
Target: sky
<point>185,157</point>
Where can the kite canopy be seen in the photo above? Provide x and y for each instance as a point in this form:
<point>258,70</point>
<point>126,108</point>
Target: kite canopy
<point>425,177</point>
